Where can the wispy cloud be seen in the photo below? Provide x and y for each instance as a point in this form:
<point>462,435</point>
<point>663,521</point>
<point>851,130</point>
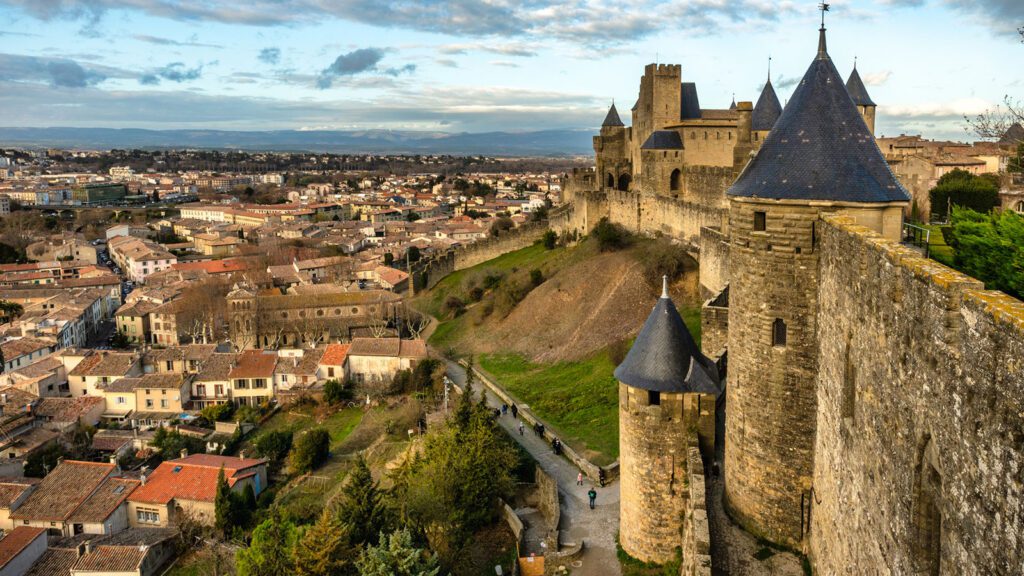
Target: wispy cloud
<point>359,61</point>
<point>876,78</point>
<point>170,42</point>
<point>507,49</point>
<point>173,72</point>
<point>56,72</point>
<point>270,55</point>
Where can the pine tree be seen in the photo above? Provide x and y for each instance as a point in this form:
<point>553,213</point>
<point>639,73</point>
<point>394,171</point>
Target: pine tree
<point>223,506</point>
<point>324,549</point>
<point>271,550</point>
<point>396,556</point>
<point>362,506</point>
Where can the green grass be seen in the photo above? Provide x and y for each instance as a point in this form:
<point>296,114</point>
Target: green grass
<point>579,400</point>
<point>937,248</point>
<point>301,418</point>
<point>535,256</point>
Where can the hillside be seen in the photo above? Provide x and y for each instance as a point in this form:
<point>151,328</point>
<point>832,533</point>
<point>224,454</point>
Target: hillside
<point>555,343</point>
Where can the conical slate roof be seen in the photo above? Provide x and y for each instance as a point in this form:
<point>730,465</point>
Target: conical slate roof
<point>1013,135</point>
<point>664,357</point>
<point>857,91</point>
<point>733,105</point>
<point>767,110</point>
<point>612,119</point>
<point>820,148</point>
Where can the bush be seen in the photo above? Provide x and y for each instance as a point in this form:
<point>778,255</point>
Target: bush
<point>617,351</point>
<point>663,258</point>
<point>990,247</point>
<point>273,445</point>
<point>493,279</point>
<point>400,382</point>
<point>610,237</point>
<point>501,225</point>
<point>453,306</point>
<point>219,412</point>
<point>311,450</point>
<point>536,277</point>
<point>336,391</point>
<point>550,239</point>
<point>476,293</point>
<point>963,189</point>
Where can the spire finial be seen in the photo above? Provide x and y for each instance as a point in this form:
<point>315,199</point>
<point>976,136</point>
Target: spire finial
<point>822,51</point>
<point>664,286</point>
<point>854,62</point>
<point>769,67</point>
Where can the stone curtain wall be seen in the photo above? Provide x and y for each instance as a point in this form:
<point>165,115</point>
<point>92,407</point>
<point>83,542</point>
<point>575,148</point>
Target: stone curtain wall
<point>696,531</point>
<point>920,435</point>
<point>714,261</point>
<point>494,246</point>
<point>714,325</point>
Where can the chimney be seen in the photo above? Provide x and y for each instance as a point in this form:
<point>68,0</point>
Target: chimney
<point>81,549</point>
<point>184,452</point>
<point>3,398</point>
<point>88,546</point>
<point>241,453</point>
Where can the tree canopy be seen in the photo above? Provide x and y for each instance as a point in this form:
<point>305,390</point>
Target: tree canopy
<point>990,247</point>
<point>961,188</point>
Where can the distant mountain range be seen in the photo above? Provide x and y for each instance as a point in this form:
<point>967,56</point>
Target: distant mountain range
<point>539,143</point>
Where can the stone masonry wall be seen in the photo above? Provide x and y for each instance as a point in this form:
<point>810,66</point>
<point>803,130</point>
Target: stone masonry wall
<point>696,530</point>
<point>714,325</point>
<point>769,440</point>
<point>920,427</point>
<point>714,261</point>
<point>652,456</point>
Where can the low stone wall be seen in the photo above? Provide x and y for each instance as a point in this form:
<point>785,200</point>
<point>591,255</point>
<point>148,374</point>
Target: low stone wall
<point>514,523</point>
<point>714,324</point>
<point>547,503</point>
<point>589,469</point>
<point>696,530</point>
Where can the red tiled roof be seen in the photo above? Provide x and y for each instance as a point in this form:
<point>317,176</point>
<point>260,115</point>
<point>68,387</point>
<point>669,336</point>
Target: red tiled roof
<point>226,266</point>
<point>335,355</point>
<point>17,540</point>
<point>63,490</point>
<point>254,364</point>
<point>112,559</point>
<point>192,478</point>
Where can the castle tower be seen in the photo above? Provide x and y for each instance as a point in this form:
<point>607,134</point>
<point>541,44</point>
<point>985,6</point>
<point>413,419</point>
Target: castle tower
<point>611,148</point>
<point>658,106</point>
<point>818,157</point>
<point>662,159</point>
<point>658,380</point>
<point>766,112</point>
<point>860,96</point>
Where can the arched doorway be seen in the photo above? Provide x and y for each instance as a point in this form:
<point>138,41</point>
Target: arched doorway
<point>611,180</point>
<point>624,182</point>
<point>674,180</point>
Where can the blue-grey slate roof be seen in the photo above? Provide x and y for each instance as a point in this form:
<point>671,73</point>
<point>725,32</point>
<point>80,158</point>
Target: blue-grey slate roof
<point>855,86</point>
<point>612,119</point>
<point>663,140</point>
<point>820,148</point>
<point>689,104</point>
<point>664,357</point>
<point>767,110</point>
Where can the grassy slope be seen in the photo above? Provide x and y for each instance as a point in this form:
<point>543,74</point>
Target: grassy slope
<point>579,399</point>
<point>937,247</point>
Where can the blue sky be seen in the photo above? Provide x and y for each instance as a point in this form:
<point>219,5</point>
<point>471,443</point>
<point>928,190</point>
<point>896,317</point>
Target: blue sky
<point>476,66</point>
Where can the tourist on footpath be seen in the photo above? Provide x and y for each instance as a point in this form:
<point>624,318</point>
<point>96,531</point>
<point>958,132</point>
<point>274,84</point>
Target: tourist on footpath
<point>504,409</point>
<point>520,427</point>
<point>579,479</point>
<point>593,496</point>
<point>515,411</point>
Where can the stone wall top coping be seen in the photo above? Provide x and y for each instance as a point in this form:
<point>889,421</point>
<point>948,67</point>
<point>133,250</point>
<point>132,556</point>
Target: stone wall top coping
<point>1003,308</point>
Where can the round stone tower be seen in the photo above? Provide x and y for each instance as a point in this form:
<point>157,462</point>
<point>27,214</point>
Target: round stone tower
<point>819,157</point>
<point>663,365</point>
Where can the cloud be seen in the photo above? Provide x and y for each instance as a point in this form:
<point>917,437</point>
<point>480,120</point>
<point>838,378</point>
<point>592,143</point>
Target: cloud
<point>1001,16</point>
<point>160,41</point>
<point>270,55</point>
<point>356,62</point>
<point>447,62</point>
<point>509,49</point>
<point>877,78</point>
<point>173,72</point>
<point>414,107</point>
<point>586,22</point>
<point>504,63</point>
<point>56,72</point>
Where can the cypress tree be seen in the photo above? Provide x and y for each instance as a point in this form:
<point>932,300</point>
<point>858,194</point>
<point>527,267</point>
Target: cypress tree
<point>362,506</point>
<point>324,549</point>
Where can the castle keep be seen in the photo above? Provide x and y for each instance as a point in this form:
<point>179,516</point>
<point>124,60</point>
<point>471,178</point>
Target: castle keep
<point>872,409</point>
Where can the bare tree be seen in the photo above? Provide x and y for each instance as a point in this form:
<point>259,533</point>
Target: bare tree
<point>377,319</point>
<point>992,124</point>
<point>414,322</point>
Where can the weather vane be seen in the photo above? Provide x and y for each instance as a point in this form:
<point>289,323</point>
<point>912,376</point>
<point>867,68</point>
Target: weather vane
<point>824,8</point>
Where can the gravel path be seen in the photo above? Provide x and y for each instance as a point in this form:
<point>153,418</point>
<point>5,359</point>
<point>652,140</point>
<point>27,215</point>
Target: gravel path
<point>597,528</point>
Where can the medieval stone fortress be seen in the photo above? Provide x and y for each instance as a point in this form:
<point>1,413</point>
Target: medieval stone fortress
<point>863,404</point>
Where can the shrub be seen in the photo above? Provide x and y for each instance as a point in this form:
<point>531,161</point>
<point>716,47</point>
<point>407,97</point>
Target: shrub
<point>617,351</point>
<point>336,391</point>
<point>536,277</point>
<point>501,225</point>
<point>550,239</point>
<point>610,237</point>
<point>453,306</point>
<point>663,258</point>
<point>963,189</point>
<point>493,279</point>
<point>219,412</point>
<point>311,450</point>
<point>273,445</point>
<point>476,293</point>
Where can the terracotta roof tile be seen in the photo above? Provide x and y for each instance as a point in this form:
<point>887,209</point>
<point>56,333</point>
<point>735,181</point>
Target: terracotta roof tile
<point>104,501</point>
<point>16,541</point>
<point>63,490</point>
<point>335,355</point>
<point>254,364</point>
<point>112,559</point>
<point>191,478</point>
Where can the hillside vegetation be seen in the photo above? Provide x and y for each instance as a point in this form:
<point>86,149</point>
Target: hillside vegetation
<point>552,324</point>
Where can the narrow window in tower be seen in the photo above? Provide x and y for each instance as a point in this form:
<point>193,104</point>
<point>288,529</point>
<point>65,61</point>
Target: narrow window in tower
<point>760,221</point>
<point>779,332</point>
<point>927,516</point>
<point>849,384</point>
<point>653,398</point>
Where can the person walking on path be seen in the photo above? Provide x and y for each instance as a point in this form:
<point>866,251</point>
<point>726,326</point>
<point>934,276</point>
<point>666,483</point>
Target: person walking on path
<point>593,496</point>
<point>515,411</point>
<point>520,427</point>
<point>579,479</point>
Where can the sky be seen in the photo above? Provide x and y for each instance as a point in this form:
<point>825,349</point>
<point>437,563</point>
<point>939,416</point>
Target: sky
<point>482,65</point>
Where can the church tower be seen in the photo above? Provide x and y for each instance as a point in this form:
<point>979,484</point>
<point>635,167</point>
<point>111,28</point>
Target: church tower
<point>819,157</point>
<point>659,383</point>
<point>865,105</point>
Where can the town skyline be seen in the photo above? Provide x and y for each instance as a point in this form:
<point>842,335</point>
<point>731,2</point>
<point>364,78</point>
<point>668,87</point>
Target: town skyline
<point>477,68</point>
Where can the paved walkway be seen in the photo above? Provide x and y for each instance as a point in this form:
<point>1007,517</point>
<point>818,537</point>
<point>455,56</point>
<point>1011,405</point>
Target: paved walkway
<point>597,528</point>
